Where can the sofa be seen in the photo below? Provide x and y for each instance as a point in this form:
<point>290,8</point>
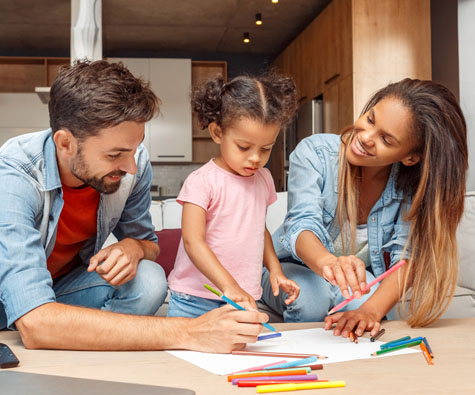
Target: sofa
<point>166,216</point>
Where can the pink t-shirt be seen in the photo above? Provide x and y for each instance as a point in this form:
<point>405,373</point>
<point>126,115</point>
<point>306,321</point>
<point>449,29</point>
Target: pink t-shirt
<point>235,222</point>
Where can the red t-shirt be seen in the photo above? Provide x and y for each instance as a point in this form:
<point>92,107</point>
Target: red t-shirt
<point>77,223</point>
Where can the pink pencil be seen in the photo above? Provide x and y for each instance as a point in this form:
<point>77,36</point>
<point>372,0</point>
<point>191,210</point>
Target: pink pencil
<point>260,367</point>
<point>368,286</point>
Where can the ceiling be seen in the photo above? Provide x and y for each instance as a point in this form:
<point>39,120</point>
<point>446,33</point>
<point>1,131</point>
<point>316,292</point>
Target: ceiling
<point>42,27</point>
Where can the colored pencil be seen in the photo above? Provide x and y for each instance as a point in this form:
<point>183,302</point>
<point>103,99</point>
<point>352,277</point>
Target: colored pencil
<point>255,383</point>
<point>384,346</point>
<point>275,354</point>
<point>396,341</point>
<point>278,372</point>
<point>316,366</point>
<point>292,377</point>
<point>426,354</point>
<point>269,336</point>
<point>378,335</point>
<point>353,337</point>
<point>292,364</point>
<point>411,344</point>
<point>428,347</point>
<point>261,367</point>
<point>295,387</point>
<point>234,304</point>
<point>368,286</point>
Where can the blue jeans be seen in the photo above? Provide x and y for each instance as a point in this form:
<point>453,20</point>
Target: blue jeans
<point>142,295</point>
<point>185,305</point>
<point>317,295</point>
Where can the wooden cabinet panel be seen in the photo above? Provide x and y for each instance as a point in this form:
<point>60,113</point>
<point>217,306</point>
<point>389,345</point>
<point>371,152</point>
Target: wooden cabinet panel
<point>22,75</point>
<point>204,148</point>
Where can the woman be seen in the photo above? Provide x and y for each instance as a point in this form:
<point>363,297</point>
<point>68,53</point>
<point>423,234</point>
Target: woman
<point>391,188</point>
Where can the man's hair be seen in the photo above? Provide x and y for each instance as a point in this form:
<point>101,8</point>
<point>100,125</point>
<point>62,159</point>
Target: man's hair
<point>90,96</point>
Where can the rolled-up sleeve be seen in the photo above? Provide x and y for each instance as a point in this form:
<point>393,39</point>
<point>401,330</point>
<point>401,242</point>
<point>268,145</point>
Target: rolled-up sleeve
<point>307,175</point>
<point>25,282</point>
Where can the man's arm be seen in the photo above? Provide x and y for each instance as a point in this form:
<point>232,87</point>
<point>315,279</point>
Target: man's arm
<point>59,326</point>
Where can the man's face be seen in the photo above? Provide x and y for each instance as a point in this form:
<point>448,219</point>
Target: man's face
<point>101,161</point>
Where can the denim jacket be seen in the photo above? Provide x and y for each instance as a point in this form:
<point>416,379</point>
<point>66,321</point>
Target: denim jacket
<point>30,204</point>
<point>312,203</point>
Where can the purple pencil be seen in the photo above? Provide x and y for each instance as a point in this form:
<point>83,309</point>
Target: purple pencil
<point>300,377</point>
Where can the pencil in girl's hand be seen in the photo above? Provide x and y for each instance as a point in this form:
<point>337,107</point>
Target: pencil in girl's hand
<point>368,286</point>
<point>234,304</point>
<point>353,337</point>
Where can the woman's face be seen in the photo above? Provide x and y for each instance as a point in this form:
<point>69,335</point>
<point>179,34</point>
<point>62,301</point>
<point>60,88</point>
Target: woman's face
<point>382,136</point>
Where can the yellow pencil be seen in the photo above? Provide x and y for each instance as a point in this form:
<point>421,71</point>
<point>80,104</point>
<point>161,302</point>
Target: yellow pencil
<point>261,389</point>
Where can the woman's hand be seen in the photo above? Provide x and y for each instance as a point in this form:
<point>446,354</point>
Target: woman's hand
<point>345,271</point>
<point>359,320</point>
<point>279,280</point>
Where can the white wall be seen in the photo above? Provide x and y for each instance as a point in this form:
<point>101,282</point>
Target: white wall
<point>21,113</point>
<point>466,33</point>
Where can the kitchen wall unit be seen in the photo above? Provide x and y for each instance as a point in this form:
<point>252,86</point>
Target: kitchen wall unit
<point>353,48</point>
<point>168,136</point>
<point>204,148</point>
<point>23,74</point>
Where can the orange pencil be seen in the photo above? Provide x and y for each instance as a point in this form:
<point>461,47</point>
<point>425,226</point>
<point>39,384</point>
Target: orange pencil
<point>426,354</point>
<point>281,372</point>
<point>353,337</point>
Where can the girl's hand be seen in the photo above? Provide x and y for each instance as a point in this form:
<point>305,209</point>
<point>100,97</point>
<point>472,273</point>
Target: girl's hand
<point>279,280</point>
<point>359,320</point>
<point>241,297</point>
<point>343,271</point>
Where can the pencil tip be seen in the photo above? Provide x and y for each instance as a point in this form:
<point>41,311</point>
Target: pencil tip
<point>330,312</point>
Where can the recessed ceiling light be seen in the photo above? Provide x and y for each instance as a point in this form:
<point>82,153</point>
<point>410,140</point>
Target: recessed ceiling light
<point>275,1</point>
<point>245,38</point>
<point>258,19</point>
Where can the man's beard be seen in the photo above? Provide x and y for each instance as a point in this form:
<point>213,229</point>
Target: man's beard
<point>80,170</point>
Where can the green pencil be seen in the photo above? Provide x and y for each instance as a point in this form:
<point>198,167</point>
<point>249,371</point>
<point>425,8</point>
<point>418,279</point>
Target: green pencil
<point>411,344</point>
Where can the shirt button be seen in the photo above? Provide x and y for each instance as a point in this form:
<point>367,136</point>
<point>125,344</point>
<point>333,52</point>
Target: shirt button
<point>281,239</point>
<point>373,219</point>
<point>375,252</point>
<point>290,218</point>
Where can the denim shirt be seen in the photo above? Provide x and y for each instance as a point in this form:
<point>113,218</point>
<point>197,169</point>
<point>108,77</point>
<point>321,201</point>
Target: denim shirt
<point>31,201</point>
<point>312,203</point>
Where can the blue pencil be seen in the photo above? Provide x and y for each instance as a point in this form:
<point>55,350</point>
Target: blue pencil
<point>292,364</point>
<point>234,304</point>
<point>384,346</point>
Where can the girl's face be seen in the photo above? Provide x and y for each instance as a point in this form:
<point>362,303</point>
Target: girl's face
<point>245,145</point>
<point>382,136</point>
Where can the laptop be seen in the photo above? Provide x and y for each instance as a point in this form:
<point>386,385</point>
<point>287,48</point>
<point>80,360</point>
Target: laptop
<point>20,383</point>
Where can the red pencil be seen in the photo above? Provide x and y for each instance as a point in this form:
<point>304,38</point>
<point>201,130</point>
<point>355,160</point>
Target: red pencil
<point>376,280</point>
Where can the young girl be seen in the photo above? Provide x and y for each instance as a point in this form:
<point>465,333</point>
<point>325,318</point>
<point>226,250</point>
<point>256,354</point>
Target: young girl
<point>391,188</point>
<point>224,237</point>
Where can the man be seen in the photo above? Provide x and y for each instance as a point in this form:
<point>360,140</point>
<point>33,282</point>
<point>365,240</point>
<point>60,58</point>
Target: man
<point>64,190</point>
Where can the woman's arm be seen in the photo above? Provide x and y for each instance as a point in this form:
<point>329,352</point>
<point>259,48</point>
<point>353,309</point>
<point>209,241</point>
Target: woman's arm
<point>194,241</point>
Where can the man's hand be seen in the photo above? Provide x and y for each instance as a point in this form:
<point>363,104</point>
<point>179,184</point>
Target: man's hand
<point>279,280</point>
<point>225,329</point>
<point>117,263</point>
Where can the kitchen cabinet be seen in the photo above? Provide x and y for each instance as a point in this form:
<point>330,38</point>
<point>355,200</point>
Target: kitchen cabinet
<point>168,136</point>
<point>352,49</point>
<point>204,148</point>
<point>23,74</point>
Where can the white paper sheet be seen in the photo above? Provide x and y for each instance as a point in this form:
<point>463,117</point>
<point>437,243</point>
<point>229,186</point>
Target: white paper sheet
<point>305,341</point>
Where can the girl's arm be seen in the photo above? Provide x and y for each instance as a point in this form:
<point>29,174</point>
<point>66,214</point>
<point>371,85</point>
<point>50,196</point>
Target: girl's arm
<point>341,271</point>
<point>369,315</point>
<point>277,277</point>
<point>194,241</point>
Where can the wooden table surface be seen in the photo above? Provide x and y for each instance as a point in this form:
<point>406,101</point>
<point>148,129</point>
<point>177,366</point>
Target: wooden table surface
<point>452,341</point>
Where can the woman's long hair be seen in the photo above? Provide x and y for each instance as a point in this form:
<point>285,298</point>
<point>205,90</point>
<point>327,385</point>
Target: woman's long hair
<point>435,187</point>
